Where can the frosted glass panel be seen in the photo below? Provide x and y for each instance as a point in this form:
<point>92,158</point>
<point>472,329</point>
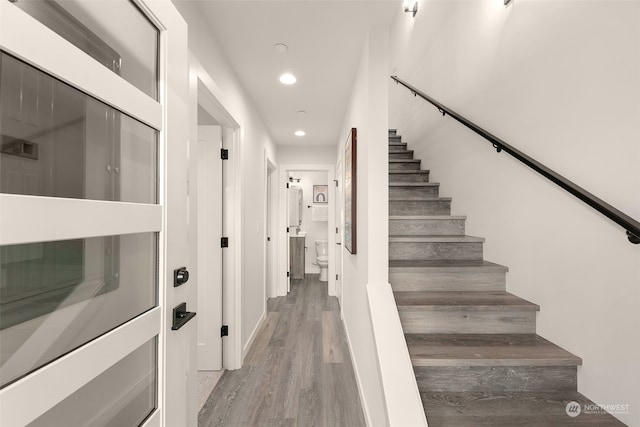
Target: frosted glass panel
<point>57,296</point>
<point>122,396</point>
<point>115,33</point>
<point>56,141</point>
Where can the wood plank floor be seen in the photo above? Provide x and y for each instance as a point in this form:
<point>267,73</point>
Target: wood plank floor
<point>298,371</point>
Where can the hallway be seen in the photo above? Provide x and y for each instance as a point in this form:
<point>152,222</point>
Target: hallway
<point>298,371</point>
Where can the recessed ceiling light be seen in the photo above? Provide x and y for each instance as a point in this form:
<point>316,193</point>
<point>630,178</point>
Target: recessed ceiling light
<point>287,79</point>
<point>281,48</point>
<point>300,133</point>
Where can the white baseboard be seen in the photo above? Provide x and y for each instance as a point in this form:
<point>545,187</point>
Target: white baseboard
<point>254,333</point>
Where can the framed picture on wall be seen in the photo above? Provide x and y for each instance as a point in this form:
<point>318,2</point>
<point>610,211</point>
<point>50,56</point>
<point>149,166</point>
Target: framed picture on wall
<point>350,192</point>
<point>320,194</point>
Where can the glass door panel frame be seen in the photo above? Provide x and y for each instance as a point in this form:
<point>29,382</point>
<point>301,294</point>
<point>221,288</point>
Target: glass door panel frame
<point>31,396</point>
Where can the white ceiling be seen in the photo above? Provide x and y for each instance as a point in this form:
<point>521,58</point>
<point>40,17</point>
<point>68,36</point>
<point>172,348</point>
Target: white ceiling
<point>325,40</point>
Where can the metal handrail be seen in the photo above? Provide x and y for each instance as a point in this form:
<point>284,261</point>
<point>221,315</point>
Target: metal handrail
<point>625,221</point>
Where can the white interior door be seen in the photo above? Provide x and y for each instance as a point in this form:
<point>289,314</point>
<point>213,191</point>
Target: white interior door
<point>207,231</point>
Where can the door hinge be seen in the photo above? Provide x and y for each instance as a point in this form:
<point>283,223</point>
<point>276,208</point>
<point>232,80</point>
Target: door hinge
<point>224,242</point>
<point>224,331</point>
<point>287,185</point>
<point>336,277</point>
<point>287,274</point>
<point>224,154</point>
<point>336,230</point>
<point>287,229</point>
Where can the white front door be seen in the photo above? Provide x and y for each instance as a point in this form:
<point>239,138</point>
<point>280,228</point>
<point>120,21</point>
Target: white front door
<point>93,225</point>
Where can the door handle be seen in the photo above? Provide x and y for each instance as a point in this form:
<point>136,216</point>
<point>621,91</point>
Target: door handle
<point>180,276</point>
<point>181,316</point>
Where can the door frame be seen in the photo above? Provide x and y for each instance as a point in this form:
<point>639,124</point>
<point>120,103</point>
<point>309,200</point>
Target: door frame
<point>339,218</point>
<point>271,227</point>
<point>283,260</point>
<point>204,92</point>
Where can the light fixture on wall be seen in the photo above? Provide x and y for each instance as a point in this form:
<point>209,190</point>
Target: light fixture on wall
<point>506,2</point>
<point>411,6</point>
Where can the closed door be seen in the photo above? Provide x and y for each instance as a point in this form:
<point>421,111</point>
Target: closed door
<point>92,214</point>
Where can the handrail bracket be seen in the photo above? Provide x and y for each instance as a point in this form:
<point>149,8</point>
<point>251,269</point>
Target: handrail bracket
<point>633,238</point>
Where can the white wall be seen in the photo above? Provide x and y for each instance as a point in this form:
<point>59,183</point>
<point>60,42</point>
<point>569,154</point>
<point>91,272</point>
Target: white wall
<point>560,81</point>
<point>367,112</point>
<point>316,230</point>
<point>254,141</point>
<point>313,155</point>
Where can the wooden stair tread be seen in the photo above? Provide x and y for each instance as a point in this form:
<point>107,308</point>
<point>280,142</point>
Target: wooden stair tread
<point>486,350</point>
<point>414,184</point>
<point>523,409</point>
<point>422,171</point>
<point>436,239</point>
<point>427,217</point>
<point>405,160</point>
<point>466,299</point>
<point>418,199</point>
<point>444,265</point>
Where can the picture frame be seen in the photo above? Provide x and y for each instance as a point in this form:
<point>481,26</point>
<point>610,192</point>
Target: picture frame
<point>320,194</point>
<point>351,192</point>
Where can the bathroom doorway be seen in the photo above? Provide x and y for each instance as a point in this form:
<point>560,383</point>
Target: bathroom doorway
<point>307,214</point>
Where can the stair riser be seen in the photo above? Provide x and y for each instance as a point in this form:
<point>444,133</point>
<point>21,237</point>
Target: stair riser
<point>427,192</point>
<point>460,320</point>
<point>420,207</point>
<point>408,281</point>
<point>426,227</point>
<point>408,177</point>
<point>404,166</point>
<point>439,251</point>
<point>496,378</point>
<point>394,138</point>
<point>402,155</point>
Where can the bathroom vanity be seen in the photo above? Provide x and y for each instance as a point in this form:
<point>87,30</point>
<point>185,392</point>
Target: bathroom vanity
<point>296,256</point>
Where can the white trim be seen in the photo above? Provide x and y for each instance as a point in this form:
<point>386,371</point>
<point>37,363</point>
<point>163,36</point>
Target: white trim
<point>232,311</point>
<point>365,408</point>
<point>283,262</point>
<point>28,219</point>
<point>28,398</point>
<point>394,363</point>
<point>21,35</point>
<point>232,223</point>
<point>154,419</point>
<point>253,335</point>
<point>271,212</point>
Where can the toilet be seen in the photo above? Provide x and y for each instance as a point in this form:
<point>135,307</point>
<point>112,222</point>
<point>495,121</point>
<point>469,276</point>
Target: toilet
<point>323,259</point>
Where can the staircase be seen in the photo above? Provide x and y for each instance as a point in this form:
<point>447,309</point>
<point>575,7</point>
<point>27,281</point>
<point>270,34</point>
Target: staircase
<point>474,348</point>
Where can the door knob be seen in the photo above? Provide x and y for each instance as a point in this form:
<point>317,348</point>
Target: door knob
<point>180,276</point>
